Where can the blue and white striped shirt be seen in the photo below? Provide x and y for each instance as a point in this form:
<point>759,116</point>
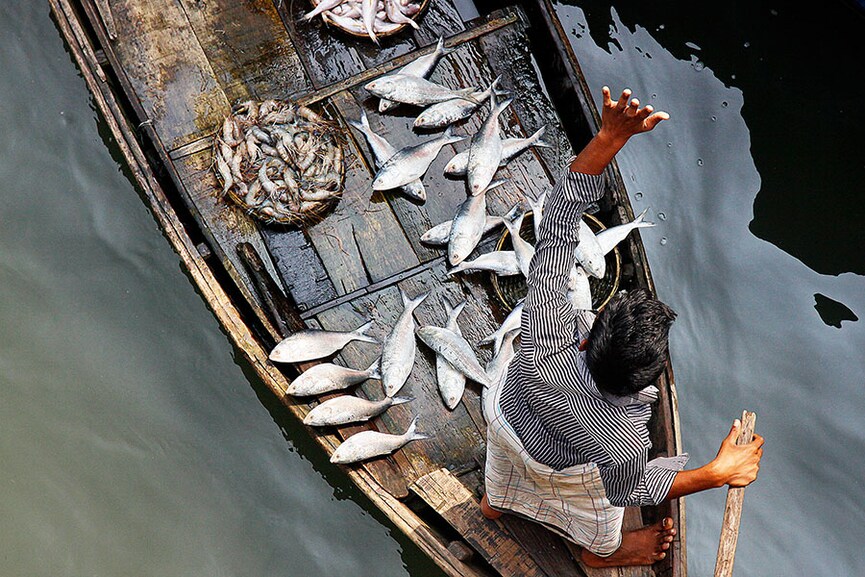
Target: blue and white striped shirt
<point>550,398</point>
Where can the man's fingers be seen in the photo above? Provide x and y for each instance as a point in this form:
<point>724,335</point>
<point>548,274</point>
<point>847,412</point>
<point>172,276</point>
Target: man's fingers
<point>623,99</point>
<point>633,107</point>
<point>654,119</point>
<point>645,111</point>
<point>608,102</point>
<point>758,440</point>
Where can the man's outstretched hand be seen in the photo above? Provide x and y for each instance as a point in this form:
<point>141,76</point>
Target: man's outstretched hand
<point>620,120</point>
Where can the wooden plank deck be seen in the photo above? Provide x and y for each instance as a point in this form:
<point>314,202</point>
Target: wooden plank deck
<point>182,64</point>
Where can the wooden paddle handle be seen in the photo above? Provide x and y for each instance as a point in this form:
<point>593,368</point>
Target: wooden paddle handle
<point>733,508</point>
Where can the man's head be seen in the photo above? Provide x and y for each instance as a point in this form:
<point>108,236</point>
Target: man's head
<point>627,347</point>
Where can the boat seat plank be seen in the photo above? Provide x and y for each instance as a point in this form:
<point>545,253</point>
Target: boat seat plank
<point>326,54</point>
<point>168,70</point>
<point>248,48</point>
<point>299,266</point>
<point>448,497</point>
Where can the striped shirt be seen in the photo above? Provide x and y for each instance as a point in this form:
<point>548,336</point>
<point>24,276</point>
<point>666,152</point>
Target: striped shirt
<point>549,396</point>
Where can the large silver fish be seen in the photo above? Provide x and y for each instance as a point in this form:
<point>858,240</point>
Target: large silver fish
<point>438,235</point>
<point>579,291</point>
<point>511,323</point>
<point>523,248</point>
<point>383,150</point>
<point>536,205</point>
<point>589,253</point>
<point>368,444</point>
<point>310,344</point>
<point>398,349</point>
<point>451,111</point>
<point>501,262</point>
<point>410,163</point>
<point>422,67</point>
<point>326,377</point>
<point>451,382</point>
<point>455,349</point>
<point>610,237</point>
<point>346,409</point>
<point>485,151</point>
<point>511,148</point>
<point>467,228</point>
<point>414,90</point>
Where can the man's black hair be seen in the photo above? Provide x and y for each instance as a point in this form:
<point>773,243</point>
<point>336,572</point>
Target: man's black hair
<point>627,348</point>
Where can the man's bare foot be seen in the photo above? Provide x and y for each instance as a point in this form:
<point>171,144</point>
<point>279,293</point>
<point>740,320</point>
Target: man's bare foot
<point>641,547</point>
<point>488,511</point>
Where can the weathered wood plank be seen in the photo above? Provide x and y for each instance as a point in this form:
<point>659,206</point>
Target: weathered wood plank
<point>549,551</point>
<point>248,48</point>
<point>361,242</point>
<point>441,18</point>
<point>298,266</point>
<point>168,70</point>
<point>456,504</point>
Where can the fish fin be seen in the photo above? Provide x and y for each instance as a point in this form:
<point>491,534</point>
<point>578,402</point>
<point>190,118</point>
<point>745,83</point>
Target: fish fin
<point>360,333</point>
<point>401,400</point>
<point>449,136</point>
<point>374,370</point>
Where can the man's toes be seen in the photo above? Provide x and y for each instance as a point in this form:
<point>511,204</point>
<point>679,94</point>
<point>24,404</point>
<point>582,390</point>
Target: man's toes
<point>660,556</point>
<point>664,546</point>
<point>668,539</point>
<point>667,523</point>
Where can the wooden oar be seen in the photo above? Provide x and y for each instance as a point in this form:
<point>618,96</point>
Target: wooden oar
<point>733,508</point>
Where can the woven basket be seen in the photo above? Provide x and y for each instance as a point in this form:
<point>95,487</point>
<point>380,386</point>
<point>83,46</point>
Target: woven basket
<point>397,30</point>
<point>510,289</point>
<point>304,178</point>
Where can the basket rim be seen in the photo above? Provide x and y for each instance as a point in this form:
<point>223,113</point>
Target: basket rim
<point>397,30</point>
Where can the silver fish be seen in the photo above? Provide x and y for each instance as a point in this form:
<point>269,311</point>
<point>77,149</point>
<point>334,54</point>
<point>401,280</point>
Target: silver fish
<point>501,262</point>
<point>536,205</point>
<point>383,150</point>
<point>579,292</point>
<point>398,349</point>
<point>511,323</point>
<point>394,14</point>
<point>610,237</point>
<point>411,162</point>
<point>438,235</point>
<point>523,249</point>
<point>310,344</point>
<point>451,111</point>
<point>455,349</point>
<point>422,67</point>
<point>322,6</point>
<point>511,148</point>
<point>346,409</point>
<point>485,151</point>
<point>589,253</point>
<point>357,26</point>
<point>369,444</point>
<point>368,8</point>
<point>413,90</point>
<point>327,377</point>
<point>467,228</point>
<point>451,382</point>
<point>498,365</point>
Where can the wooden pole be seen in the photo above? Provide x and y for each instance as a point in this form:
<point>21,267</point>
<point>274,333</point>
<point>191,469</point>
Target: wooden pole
<point>733,508</point>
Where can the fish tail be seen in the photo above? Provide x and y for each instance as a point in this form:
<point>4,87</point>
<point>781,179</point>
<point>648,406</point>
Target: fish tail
<point>449,137</point>
<point>360,333</point>
<point>374,370</point>
<point>496,183</point>
<point>411,303</point>
<point>440,47</point>
<point>497,343</point>
<point>411,435</point>
<point>505,103</point>
<point>401,400</point>
<point>454,311</point>
<point>640,223</point>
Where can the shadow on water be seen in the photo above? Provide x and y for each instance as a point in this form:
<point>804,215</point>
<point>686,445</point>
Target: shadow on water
<point>789,59</point>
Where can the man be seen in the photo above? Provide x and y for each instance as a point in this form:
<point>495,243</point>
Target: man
<point>568,442</point>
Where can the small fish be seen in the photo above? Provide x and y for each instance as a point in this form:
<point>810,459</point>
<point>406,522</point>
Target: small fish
<point>589,253</point>
<point>511,148</point>
<point>455,349</point>
<point>368,444</point>
<point>523,249</point>
<point>322,6</point>
<point>422,67</point>
<point>346,409</point>
<point>498,365</point>
<point>383,150</point>
<point>438,235</point>
<point>411,162</point>
<point>485,152</point>
<point>501,262</point>
<point>451,382</point>
<point>398,349</point>
<point>327,377</point>
<point>310,344</point>
<point>368,8</point>
<point>610,237</point>
<point>413,90</point>
<point>467,228</point>
<point>511,323</point>
<point>394,14</point>
<point>536,205</point>
<point>579,291</point>
<point>451,111</point>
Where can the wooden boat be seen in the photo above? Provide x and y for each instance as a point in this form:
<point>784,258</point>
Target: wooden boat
<point>164,73</point>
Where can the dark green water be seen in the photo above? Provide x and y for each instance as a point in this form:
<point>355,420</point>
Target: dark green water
<point>133,443</point>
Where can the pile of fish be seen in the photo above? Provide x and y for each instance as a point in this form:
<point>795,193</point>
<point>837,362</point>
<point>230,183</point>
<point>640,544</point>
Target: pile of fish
<point>366,17</point>
<point>279,161</point>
